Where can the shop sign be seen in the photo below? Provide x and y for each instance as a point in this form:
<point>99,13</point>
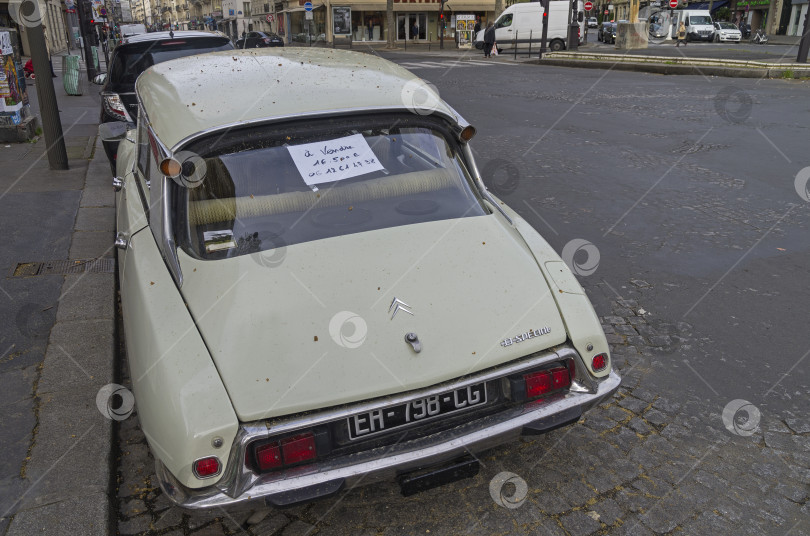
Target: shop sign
<point>342,20</point>
<point>230,12</point>
<point>753,3</point>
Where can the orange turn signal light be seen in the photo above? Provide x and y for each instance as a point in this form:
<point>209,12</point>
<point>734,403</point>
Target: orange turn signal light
<point>170,167</point>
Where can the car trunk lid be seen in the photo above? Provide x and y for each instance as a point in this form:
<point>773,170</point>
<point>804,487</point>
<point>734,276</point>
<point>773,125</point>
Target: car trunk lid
<point>316,324</point>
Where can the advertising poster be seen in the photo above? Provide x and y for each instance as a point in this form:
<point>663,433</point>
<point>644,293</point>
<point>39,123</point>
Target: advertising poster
<point>342,20</point>
<point>464,30</point>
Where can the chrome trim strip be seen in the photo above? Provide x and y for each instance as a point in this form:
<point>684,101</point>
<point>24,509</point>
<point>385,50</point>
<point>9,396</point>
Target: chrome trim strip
<point>309,115</point>
<point>169,248</point>
<point>371,466</point>
<point>480,183</point>
<point>167,244</point>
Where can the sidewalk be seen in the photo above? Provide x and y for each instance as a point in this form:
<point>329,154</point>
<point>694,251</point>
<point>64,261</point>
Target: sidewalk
<point>57,301</point>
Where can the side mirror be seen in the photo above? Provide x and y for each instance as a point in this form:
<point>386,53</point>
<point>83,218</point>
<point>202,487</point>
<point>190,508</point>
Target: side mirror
<point>100,79</point>
<point>580,16</point>
<point>114,131</point>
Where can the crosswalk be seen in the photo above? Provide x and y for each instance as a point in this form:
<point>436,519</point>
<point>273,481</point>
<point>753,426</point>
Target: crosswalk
<point>453,64</point>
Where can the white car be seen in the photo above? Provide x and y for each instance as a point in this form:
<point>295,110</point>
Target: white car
<point>318,291</point>
<point>726,31</point>
<point>593,23</point>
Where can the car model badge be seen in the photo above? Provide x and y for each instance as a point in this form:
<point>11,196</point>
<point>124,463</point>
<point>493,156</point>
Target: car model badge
<point>531,334</point>
<point>398,305</point>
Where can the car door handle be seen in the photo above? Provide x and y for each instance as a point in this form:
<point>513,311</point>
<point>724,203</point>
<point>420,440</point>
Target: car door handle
<point>509,30</point>
<point>121,240</point>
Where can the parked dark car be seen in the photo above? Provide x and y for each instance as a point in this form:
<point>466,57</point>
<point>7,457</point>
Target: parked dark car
<point>133,56</point>
<point>260,40</point>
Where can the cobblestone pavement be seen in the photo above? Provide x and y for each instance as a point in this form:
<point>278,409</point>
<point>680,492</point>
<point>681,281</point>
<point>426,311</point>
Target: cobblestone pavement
<point>639,464</point>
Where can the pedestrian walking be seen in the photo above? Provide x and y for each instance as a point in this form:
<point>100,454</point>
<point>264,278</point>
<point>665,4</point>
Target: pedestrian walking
<point>477,27</point>
<point>681,35</point>
<point>489,39</point>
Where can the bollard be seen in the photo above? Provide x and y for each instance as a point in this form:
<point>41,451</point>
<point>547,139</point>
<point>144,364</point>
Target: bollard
<point>530,43</point>
<point>515,43</point>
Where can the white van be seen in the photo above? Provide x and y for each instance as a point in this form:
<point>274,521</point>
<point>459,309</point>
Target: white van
<point>132,29</point>
<point>698,22</point>
<point>521,22</point>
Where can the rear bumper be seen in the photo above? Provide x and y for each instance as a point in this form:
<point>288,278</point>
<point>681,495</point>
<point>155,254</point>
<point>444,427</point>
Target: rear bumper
<point>385,463</point>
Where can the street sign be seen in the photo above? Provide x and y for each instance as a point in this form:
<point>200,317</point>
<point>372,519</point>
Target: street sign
<point>308,6</point>
<point>673,4</point>
<point>588,6</point>
<point>308,15</point>
<point>269,17</point>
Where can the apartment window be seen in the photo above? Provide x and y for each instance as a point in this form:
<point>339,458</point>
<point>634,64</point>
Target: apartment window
<point>246,9</point>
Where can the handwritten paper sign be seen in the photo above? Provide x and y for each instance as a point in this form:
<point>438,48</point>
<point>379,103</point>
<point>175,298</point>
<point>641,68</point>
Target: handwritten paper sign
<point>334,160</point>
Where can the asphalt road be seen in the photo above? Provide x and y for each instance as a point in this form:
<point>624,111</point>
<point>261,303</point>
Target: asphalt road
<point>685,211</point>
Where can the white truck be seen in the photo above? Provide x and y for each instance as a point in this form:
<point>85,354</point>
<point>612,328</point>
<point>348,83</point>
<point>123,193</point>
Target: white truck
<point>698,22</point>
<point>521,23</point>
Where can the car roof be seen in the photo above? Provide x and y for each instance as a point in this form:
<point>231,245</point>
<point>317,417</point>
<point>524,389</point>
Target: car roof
<point>180,34</point>
<point>188,95</point>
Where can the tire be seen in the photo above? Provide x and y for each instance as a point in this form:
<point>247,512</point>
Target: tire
<point>479,45</point>
<point>556,46</point>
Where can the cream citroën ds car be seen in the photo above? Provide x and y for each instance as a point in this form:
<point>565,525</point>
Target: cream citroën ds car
<point>319,291</point>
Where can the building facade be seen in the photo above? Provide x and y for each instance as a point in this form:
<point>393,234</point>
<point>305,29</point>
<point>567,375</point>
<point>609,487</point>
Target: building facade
<point>414,20</point>
<point>54,20</point>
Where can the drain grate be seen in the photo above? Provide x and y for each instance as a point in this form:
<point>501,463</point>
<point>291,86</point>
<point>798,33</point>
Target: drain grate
<point>81,266</point>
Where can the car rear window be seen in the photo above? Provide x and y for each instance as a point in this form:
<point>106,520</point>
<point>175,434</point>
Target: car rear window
<point>132,59</point>
<point>277,186</point>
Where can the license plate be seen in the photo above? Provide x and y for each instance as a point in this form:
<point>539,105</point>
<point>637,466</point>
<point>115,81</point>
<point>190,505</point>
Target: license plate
<point>430,407</point>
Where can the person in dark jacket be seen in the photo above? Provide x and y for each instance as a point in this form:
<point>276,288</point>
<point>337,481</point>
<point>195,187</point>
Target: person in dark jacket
<point>489,39</point>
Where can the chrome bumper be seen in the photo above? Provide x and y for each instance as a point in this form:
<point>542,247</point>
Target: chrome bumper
<point>385,463</point>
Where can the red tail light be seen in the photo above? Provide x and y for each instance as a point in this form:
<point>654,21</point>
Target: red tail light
<point>207,467</point>
<point>268,456</point>
<point>545,381</point>
<point>599,362</point>
<point>298,449</point>
<point>284,453</point>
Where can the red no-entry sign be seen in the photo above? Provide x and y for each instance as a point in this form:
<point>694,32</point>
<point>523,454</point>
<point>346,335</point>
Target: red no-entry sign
<point>673,3</point>
<point>588,6</point>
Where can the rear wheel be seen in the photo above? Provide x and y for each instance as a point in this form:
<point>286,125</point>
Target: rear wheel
<point>556,45</point>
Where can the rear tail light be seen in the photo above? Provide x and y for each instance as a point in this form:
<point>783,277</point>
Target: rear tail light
<point>284,453</point>
<point>537,383</point>
<point>268,457</point>
<point>298,449</point>
<point>599,362</point>
<point>546,381</point>
<point>114,106</point>
<point>207,467</point>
